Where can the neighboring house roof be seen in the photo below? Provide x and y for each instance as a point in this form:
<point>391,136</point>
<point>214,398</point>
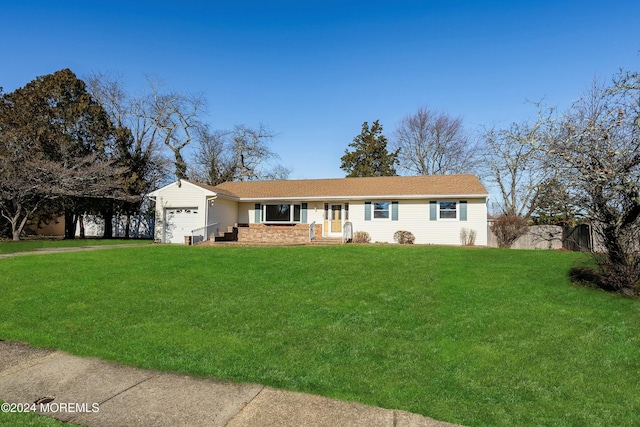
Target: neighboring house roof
<point>387,186</point>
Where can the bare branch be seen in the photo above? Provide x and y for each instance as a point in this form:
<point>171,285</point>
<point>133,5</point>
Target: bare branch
<point>241,154</point>
<point>434,143</point>
<point>514,162</point>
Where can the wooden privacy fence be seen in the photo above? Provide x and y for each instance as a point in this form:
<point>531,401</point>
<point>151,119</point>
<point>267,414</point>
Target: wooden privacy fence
<point>538,237</point>
<point>579,238</point>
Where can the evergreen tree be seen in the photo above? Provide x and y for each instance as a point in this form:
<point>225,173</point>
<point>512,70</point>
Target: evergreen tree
<point>55,146</point>
<point>370,156</point>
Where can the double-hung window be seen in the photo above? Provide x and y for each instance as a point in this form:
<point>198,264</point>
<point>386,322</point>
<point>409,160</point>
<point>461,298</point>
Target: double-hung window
<point>448,210</point>
<point>381,210</point>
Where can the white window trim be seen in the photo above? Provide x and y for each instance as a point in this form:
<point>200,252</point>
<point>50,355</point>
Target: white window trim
<point>263,215</point>
<point>457,207</point>
<point>373,210</point>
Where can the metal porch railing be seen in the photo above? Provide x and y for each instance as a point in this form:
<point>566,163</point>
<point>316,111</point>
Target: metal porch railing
<point>347,232</point>
<point>312,231</point>
<point>203,234</point>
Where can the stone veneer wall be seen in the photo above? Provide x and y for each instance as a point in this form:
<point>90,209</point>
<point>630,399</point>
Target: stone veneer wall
<point>273,233</point>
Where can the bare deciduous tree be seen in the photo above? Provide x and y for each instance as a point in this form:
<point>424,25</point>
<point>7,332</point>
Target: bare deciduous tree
<point>242,154</point>
<point>138,146</point>
<point>177,119</point>
<point>597,154</point>
<point>514,164</point>
<point>210,162</point>
<point>434,143</point>
<point>508,229</point>
<point>21,195</point>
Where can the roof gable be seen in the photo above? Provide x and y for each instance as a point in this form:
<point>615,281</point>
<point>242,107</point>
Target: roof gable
<point>206,189</point>
<point>388,186</point>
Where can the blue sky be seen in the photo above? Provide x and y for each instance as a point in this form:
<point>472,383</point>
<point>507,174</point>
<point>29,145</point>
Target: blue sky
<point>313,71</point>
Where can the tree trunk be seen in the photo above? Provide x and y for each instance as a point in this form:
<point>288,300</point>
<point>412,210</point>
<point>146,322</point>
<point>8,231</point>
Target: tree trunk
<point>17,224</point>
<point>108,224</point>
<point>180,163</point>
<point>127,226</point>
<point>69,224</point>
<point>81,222</point>
<point>17,227</point>
<point>620,266</point>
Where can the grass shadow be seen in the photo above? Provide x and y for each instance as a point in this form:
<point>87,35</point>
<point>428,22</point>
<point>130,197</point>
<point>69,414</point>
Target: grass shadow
<point>592,278</point>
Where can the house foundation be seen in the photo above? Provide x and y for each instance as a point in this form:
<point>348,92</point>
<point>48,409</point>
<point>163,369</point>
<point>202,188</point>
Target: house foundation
<point>277,233</point>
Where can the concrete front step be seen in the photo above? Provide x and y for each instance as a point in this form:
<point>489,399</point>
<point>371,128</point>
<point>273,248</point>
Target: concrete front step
<point>228,236</point>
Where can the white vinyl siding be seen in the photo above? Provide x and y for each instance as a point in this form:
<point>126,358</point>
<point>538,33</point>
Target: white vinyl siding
<point>413,216</point>
<point>246,212</point>
<point>185,196</point>
<point>224,212</point>
<point>315,212</point>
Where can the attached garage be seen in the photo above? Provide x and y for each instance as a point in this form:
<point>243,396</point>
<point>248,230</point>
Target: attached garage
<point>181,207</point>
<point>178,223</point>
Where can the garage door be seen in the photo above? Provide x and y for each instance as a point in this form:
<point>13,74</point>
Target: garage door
<point>178,223</point>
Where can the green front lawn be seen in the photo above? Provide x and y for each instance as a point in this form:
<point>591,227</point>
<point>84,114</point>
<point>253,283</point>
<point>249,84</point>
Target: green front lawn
<point>9,246</point>
<point>472,336</point>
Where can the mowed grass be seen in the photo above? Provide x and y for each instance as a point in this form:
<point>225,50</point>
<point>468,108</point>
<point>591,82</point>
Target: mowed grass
<point>472,336</point>
<point>9,246</point>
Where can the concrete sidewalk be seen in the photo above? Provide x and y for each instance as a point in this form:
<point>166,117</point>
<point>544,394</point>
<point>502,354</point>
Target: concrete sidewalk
<point>44,251</point>
<point>93,392</point>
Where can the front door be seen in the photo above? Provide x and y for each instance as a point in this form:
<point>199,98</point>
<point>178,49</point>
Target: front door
<point>335,219</point>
